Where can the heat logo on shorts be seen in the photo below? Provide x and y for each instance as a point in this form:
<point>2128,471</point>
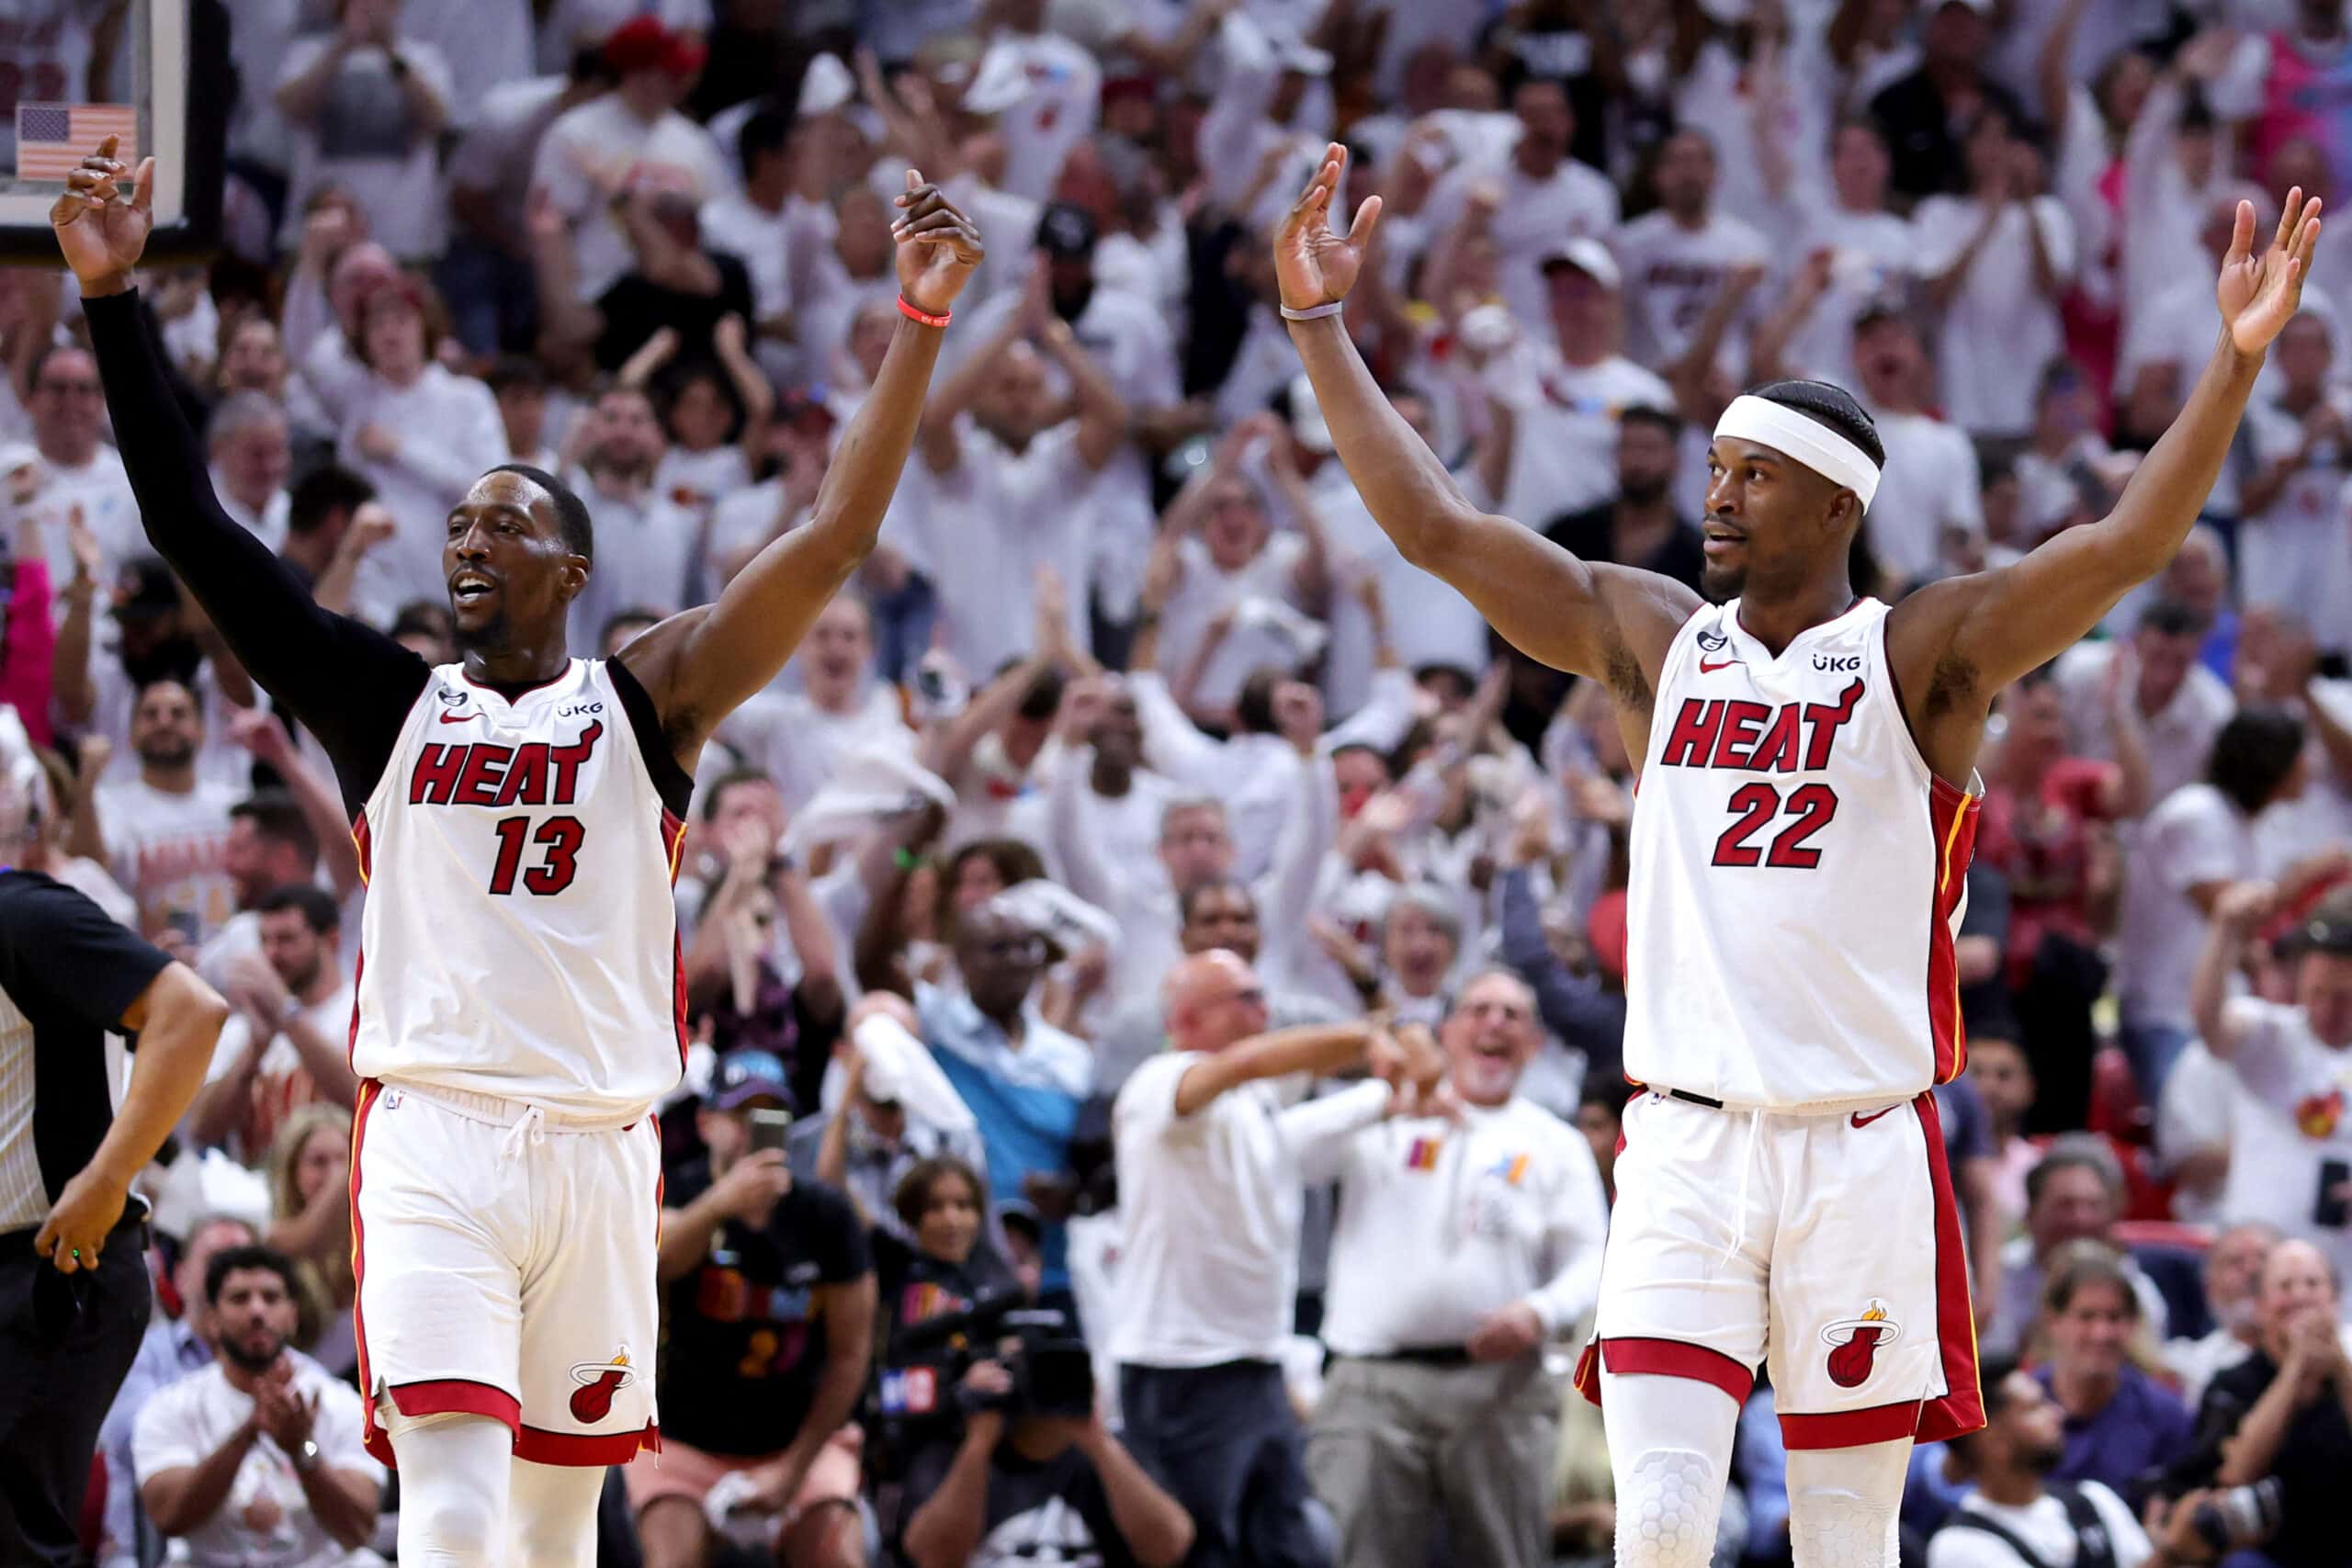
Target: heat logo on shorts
<point>1853,1344</point>
<point>599,1380</point>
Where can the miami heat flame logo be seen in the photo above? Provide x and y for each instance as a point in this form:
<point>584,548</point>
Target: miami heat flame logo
<point>599,1380</point>
<point>1853,1344</point>
<point>2317,1114</point>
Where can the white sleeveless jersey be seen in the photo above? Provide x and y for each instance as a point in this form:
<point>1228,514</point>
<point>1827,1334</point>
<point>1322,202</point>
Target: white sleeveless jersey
<point>1797,876</point>
<point>521,936</point>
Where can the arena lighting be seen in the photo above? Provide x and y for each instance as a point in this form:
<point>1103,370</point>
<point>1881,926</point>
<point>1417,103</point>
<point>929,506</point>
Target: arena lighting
<point>174,65</point>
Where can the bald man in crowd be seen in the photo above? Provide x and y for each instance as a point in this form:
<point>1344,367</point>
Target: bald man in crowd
<point>1210,1199</point>
<point>1466,1242</point>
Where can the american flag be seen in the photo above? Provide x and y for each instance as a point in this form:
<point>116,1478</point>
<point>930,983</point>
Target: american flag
<point>54,138</point>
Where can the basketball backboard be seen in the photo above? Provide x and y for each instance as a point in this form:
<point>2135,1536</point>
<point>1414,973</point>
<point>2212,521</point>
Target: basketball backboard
<point>154,72</point>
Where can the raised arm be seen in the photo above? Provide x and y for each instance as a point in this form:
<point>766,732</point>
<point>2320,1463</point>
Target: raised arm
<point>349,683</point>
<point>1609,622</point>
<point>1957,643</point>
<point>701,665</point>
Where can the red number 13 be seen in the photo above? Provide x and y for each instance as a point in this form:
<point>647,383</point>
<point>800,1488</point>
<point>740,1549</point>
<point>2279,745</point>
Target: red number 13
<point>561,835</point>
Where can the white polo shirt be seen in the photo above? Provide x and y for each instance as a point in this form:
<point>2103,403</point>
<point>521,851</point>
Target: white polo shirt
<point>2282,1064</point>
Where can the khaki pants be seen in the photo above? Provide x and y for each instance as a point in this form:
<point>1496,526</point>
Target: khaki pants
<point>1394,1442</point>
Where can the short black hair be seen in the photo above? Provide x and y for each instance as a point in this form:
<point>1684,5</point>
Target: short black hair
<point>1829,405</point>
<point>768,130</point>
<point>2170,618</point>
<point>570,512</point>
<point>2253,755</point>
<point>1656,418</point>
<point>1044,698</point>
<point>1993,1374</point>
<point>1188,899</point>
<point>275,815</point>
<point>1613,1094</point>
<point>320,493</point>
<point>1253,708</point>
<point>320,911</point>
<point>515,370</point>
<point>48,352</point>
<point>237,1259</point>
<point>726,781</point>
<point>1387,763</point>
<point>644,614</point>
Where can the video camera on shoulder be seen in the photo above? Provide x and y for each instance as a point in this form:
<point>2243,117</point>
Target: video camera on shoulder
<point>1052,1371</point>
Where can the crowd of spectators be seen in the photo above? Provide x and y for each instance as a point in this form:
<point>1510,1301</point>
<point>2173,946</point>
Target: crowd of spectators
<point>1137,796</point>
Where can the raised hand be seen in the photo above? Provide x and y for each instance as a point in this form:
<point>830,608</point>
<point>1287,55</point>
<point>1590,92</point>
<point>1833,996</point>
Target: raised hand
<point>2259,293</point>
<point>101,232</point>
<point>938,247</point>
<point>1312,264</point>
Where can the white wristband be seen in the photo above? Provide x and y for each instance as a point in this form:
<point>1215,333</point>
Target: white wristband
<point>1311,313</point>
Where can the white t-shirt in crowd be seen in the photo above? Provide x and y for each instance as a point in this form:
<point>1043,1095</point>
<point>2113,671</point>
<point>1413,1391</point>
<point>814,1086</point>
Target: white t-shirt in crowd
<point>601,147</point>
<point>1000,516</point>
<point>268,525</point>
<point>569,24</point>
<point>102,490</point>
<point>2040,1524</point>
<point>645,546</point>
<point>2179,736</point>
<point>762,241</point>
<point>169,852</point>
<point>698,482</point>
<point>1718,98</point>
<point>1563,456</point>
<point>1930,488</point>
<point>2297,552</point>
<point>1536,217</point>
<point>1429,620</point>
<point>800,744</point>
<point>2194,836</point>
<point>1211,1203</point>
<point>281,1082</point>
<point>1064,101</point>
<point>2282,1064</point>
<point>449,435</point>
<point>367,141</point>
<point>1206,591</point>
<point>1673,274</point>
<point>266,1521</point>
<point>1870,258</point>
<point>1999,329</point>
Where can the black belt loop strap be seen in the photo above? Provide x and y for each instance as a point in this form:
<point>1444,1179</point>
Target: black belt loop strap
<point>1694,1099</point>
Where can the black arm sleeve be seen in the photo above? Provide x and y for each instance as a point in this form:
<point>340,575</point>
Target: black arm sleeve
<point>349,683</point>
<point>61,957</point>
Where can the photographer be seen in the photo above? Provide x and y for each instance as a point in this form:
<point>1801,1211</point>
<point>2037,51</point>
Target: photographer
<point>1056,1488</point>
<point>2016,1517</point>
<point>2283,1417</point>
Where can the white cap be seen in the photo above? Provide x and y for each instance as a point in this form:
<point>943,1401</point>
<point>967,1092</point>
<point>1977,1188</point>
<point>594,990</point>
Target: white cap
<point>826,86</point>
<point>1307,424</point>
<point>1588,255</point>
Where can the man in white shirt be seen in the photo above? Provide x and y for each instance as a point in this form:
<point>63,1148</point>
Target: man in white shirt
<point>2014,1518</point>
<point>1928,511</point>
<point>166,832</point>
<point>365,107</point>
<point>798,738</point>
<point>644,540</point>
<point>76,468</point>
<point>1679,256</point>
<point>251,453</point>
<point>767,224</point>
<point>1867,252</point>
<point>2181,705</point>
<point>1547,199</point>
<point>1210,1198</point>
<point>284,1045</point>
<point>2233,1267</point>
<point>257,1458</point>
<point>2296,1057</point>
<point>1565,396</point>
<point>1465,1242</point>
<point>632,141</point>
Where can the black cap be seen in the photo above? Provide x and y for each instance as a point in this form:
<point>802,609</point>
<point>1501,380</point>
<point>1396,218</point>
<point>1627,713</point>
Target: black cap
<point>146,591</point>
<point>2323,932</point>
<point>1067,232</point>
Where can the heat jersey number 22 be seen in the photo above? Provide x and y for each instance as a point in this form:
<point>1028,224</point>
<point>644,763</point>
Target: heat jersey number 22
<point>560,837</point>
<point>1808,809</point>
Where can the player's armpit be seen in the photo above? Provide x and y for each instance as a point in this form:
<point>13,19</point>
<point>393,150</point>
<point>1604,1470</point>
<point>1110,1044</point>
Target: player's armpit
<point>1611,623</point>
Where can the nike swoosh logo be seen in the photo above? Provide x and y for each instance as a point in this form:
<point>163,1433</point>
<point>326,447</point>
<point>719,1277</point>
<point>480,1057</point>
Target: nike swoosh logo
<point>1707,668</point>
<point>456,717</point>
<point>1862,1121</point>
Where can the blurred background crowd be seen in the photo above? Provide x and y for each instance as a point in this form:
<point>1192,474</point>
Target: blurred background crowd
<point>959,1270</point>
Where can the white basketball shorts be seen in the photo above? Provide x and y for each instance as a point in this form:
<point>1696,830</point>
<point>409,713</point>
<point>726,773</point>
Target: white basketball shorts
<point>506,1267</point>
<point>1825,1248</point>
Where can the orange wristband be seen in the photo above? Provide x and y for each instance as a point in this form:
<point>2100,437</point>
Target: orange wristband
<point>925,317</point>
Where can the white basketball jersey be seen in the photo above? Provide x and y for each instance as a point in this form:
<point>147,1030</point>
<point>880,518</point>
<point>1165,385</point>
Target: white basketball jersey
<point>1797,876</point>
<point>521,936</point>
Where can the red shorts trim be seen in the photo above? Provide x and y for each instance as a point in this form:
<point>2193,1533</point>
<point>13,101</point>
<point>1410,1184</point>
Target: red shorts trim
<point>543,1447</point>
<point>1852,1428</point>
<point>1662,1358</point>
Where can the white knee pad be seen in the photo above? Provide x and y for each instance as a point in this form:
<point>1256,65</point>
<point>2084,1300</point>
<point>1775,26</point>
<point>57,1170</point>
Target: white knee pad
<point>554,1512</point>
<point>1844,1505</point>
<point>1669,1501</point>
<point>453,1491</point>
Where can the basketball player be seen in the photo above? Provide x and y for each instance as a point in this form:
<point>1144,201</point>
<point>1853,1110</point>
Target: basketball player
<point>1808,801</point>
<point>520,1003</point>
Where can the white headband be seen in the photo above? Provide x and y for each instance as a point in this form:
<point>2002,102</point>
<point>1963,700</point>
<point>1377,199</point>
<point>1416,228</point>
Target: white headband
<point>1807,440</point>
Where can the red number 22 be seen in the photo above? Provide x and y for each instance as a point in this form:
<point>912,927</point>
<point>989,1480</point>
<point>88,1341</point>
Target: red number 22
<point>1809,808</point>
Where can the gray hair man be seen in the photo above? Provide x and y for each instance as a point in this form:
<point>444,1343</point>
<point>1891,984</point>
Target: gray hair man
<point>1466,1241</point>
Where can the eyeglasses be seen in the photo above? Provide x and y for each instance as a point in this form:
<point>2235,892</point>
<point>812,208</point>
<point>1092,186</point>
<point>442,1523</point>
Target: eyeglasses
<point>72,389</point>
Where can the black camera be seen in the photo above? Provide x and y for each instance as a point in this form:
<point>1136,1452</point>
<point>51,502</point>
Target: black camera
<point>2240,1516</point>
<point>1052,1371</point>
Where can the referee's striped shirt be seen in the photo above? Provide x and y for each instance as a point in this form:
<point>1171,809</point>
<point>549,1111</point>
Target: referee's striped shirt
<point>67,976</point>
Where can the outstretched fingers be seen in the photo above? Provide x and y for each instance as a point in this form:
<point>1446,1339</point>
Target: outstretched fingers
<point>1367,215</point>
<point>2241,236</point>
<point>2288,215</point>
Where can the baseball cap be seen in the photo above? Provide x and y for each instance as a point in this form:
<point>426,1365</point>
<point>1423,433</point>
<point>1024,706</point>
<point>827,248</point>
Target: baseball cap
<point>1588,256</point>
<point>2328,931</point>
<point>642,43</point>
<point>145,591</point>
<point>747,1076</point>
<point>1066,231</point>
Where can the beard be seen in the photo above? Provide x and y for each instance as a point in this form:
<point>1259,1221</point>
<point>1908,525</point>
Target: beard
<point>172,751</point>
<point>1722,584</point>
<point>488,637</point>
<point>1644,491</point>
<point>2041,1459</point>
<point>249,1361</point>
